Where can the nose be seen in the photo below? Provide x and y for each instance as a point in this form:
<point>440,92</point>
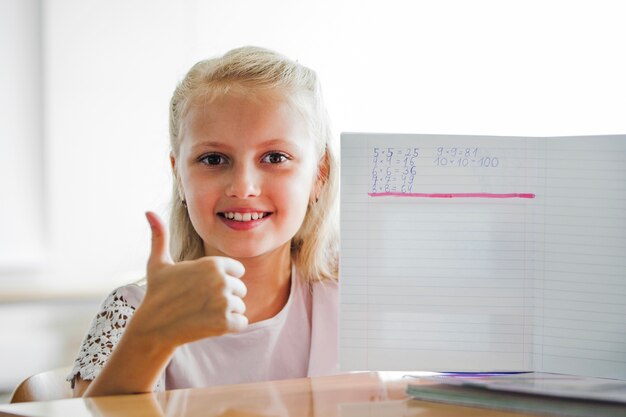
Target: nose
<point>244,181</point>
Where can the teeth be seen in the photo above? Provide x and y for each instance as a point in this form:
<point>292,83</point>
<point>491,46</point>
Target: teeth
<point>243,217</point>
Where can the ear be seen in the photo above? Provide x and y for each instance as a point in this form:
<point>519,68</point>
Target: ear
<point>179,185</point>
<point>323,170</point>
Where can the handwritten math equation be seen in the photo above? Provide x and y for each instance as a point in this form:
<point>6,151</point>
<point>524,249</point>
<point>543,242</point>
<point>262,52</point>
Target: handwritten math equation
<point>464,157</point>
<point>394,168</point>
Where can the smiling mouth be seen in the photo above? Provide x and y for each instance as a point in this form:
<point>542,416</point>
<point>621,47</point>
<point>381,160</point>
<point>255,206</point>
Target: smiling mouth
<point>244,217</point>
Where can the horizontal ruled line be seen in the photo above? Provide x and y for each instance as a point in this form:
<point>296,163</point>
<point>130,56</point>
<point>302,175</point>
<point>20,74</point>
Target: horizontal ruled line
<point>539,261</point>
<point>384,339</point>
<point>440,322</point>
<point>538,318</point>
<point>581,349</point>
<point>439,350</point>
<point>604,332</point>
<point>582,357</point>
<point>423,332</point>
<point>453,195</point>
<point>446,305</point>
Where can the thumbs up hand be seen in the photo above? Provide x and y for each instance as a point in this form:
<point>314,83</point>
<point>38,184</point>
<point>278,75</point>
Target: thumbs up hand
<point>189,300</point>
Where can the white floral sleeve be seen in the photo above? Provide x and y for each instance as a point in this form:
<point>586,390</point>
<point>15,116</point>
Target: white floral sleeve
<point>104,333</point>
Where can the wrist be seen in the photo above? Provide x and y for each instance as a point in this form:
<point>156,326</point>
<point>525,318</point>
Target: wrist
<point>140,337</point>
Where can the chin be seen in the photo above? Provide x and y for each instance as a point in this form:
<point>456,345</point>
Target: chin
<point>254,252</point>
<point>246,248</point>
<point>241,249</point>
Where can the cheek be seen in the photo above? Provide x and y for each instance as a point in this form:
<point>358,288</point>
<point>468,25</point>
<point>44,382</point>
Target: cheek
<point>196,184</point>
<point>205,201</point>
<point>201,197</point>
<point>295,192</point>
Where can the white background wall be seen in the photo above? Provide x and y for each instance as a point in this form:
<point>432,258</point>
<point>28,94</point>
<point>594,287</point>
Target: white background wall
<point>85,88</point>
<point>83,174</point>
<point>21,140</point>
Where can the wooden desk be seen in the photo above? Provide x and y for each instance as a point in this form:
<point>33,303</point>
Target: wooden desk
<point>379,394</point>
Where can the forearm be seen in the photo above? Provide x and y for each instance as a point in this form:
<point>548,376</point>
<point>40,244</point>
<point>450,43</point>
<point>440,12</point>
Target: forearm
<point>134,366</point>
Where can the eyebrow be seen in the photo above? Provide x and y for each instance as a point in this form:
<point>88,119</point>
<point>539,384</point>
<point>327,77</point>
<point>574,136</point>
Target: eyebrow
<point>210,144</point>
<point>267,143</point>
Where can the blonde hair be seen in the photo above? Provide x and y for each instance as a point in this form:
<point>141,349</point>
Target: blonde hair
<point>252,70</point>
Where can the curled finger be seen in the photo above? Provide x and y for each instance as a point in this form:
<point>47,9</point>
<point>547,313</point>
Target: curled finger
<point>237,322</point>
<point>236,305</point>
<point>231,266</point>
<point>236,286</point>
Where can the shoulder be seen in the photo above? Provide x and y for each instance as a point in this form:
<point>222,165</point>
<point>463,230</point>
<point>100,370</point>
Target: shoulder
<point>117,308</point>
<point>324,294</point>
<point>129,295</point>
<point>132,293</point>
<point>325,289</point>
<point>325,298</point>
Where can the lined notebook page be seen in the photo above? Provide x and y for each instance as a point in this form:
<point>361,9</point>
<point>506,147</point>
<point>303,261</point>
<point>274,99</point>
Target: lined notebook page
<point>581,286</point>
<point>446,243</point>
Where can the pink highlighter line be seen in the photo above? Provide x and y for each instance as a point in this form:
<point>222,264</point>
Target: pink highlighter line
<point>453,195</point>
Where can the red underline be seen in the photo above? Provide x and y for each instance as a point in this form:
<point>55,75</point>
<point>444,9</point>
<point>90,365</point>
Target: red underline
<point>453,195</point>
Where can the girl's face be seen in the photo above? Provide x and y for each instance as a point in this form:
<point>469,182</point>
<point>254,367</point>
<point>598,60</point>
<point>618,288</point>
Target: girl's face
<point>247,170</point>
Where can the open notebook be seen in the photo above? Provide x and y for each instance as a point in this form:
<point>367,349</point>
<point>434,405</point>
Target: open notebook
<point>483,253</point>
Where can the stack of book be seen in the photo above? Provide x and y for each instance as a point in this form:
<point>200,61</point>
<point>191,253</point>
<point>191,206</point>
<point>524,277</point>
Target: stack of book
<point>536,393</point>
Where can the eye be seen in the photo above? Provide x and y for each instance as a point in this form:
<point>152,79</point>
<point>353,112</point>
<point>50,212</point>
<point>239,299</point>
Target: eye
<point>275,158</point>
<point>213,159</point>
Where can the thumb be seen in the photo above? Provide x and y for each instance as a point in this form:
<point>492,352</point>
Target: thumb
<point>159,253</point>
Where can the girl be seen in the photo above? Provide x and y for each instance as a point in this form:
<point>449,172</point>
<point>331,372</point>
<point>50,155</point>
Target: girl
<point>249,292</point>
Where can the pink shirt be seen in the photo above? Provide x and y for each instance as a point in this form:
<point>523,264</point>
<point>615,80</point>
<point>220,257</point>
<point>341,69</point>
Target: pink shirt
<point>301,340</point>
